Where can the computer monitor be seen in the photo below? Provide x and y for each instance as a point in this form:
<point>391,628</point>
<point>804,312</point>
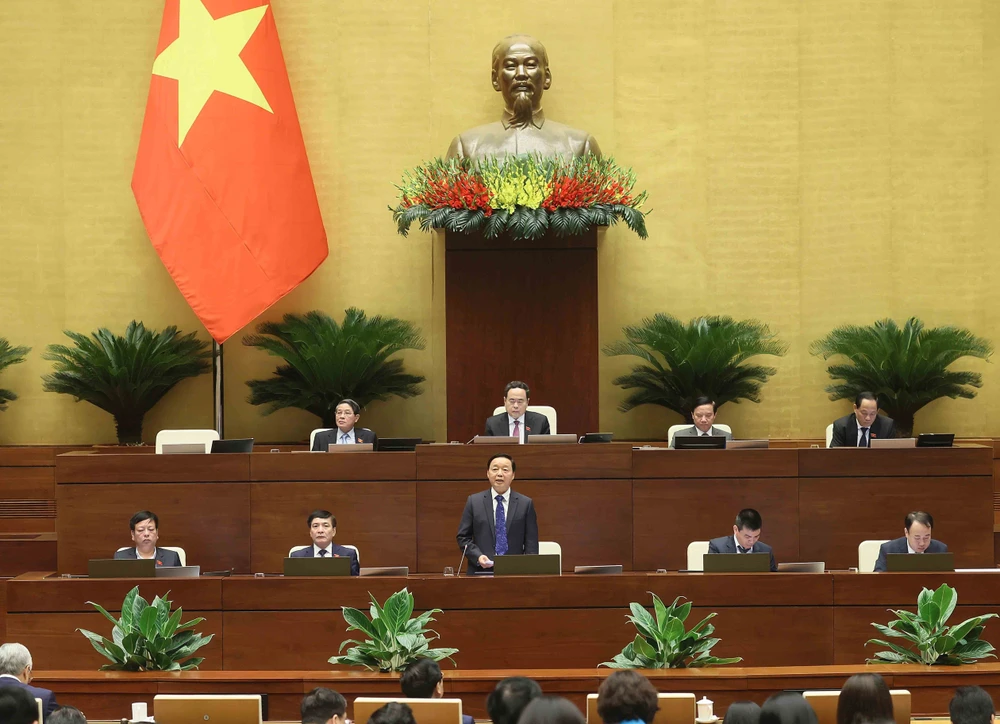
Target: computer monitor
<point>936,439</point>
<point>736,562</point>
<point>919,562</point>
<point>318,566</point>
<point>397,444</point>
<point>597,437</point>
<point>561,438</point>
<point>546,564</point>
<point>121,568</point>
<point>242,445</point>
<point>178,571</point>
<point>699,442</point>
<point>214,708</point>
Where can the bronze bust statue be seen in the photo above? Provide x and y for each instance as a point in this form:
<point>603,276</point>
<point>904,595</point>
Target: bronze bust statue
<point>521,75</point>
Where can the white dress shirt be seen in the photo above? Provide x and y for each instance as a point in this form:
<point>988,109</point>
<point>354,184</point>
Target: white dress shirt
<point>908,549</point>
<point>317,549</point>
<point>520,429</point>
<point>145,559</point>
<point>350,437</point>
<point>738,544</point>
<point>506,505</point>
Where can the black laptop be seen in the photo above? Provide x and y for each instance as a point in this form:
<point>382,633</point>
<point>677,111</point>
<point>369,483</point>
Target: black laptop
<point>737,563</point>
<point>121,568</point>
<point>397,444</point>
<point>318,566</point>
<point>920,562</point>
<point>546,564</point>
<point>700,442</point>
<point>936,439</point>
<point>242,445</point>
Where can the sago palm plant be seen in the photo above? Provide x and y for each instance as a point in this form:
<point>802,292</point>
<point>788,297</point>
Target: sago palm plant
<point>706,356</point>
<point>906,367</point>
<point>9,355</point>
<point>326,362</point>
<point>126,375</point>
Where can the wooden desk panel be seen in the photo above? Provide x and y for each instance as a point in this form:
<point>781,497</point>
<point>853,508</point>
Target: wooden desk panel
<point>339,467</point>
<point>900,590</point>
<point>210,522</point>
<point>42,593</point>
<point>29,456</point>
<point>534,462</point>
<point>663,462</point>
<point>379,518</point>
<point>27,483</point>
<point>149,468</point>
<point>669,514</point>
<point>850,462</point>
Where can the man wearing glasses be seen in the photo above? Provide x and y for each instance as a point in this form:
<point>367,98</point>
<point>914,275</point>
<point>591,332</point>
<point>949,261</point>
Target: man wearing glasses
<point>863,425</point>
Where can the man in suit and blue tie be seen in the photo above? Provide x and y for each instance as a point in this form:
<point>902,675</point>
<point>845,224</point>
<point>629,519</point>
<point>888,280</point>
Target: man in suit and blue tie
<point>917,530</point>
<point>703,413</point>
<point>498,521</point>
<point>863,425</point>
<point>15,670</point>
<point>322,528</point>
<point>515,420</point>
<point>348,413</point>
<point>745,537</point>
<point>145,527</point>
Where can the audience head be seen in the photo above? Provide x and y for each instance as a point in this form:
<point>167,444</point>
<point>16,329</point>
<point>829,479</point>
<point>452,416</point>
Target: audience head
<point>747,527</point>
<point>500,472</point>
<point>743,712</point>
<point>392,713</point>
<point>323,706</point>
<point>15,660</point>
<point>145,530</point>
<point>919,526</point>
<point>864,698</point>
<point>865,408</point>
<point>703,411</point>
<point>322,527</point>
<point>422,679</point>
<point>971,705</point>
<point>510,697</point>
<point>66,715</point>
<point>626,695</point>
<point>787,708</point>
<point>515,399</point>
<point>347,413</point>
<point>17,706</point>
<point>551,710</point>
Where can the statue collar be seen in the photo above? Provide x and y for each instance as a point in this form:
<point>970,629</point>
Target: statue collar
<point>537,119</point>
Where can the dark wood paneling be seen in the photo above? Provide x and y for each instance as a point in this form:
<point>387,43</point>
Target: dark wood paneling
<point>894,462</point>
<point>836,514</point>
<point>3,610</point>
<point>335,466</point>
<point>149,468</point>
<point>208,521</point>
<point>37,594</point>
<point>534,462</point>
<point>378,518</point>
<point>669,514</point>
<point>20,552</point>
<point>526,314</point>
<point>41,456</point>
<point>901,589</point>
<point>28,483</point>
<point>666,463</point>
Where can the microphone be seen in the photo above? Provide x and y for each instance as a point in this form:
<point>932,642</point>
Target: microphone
<point>458,571</point>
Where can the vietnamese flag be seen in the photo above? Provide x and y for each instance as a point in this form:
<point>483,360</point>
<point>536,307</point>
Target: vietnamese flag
<point>221,176</point>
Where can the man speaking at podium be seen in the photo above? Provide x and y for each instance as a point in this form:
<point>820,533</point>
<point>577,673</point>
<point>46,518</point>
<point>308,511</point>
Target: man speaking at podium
<point>498,521</point>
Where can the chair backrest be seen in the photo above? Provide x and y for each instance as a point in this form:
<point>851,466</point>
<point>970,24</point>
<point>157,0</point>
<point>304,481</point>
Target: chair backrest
<point>298,548</point>
<point>173,437</point>
<point>829,434</point>
<point>868,554</point>
<point>294,549</point>
<point>824,703</point>
<point>674,709</point>
<point>41,709</point>
<point>312,435</point>
<point>179,551</point>
<point>425,711</point>
<point>551,548</point>
<point>672,430</point>
<point>549,412</point>
<point>696,555</point>
<point>219,708</point>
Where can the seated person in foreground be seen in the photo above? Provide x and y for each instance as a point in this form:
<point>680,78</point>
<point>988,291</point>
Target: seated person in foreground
<point>551,710</point>
<point>916,539</point>
<point>322,528</point>
<point>864,698</point>
<point>510,697</point>
<point>66,715</point>
<point>703,413</point>
<point>971,705</point>
<point>392,713</point>
<point>17,706</point>
<point>515,420</point>
<point>498,521</point>
<point>145,527</point>
<point>15,671</point>
<point>323,706</point>
<point>863,425</point>
<point>348,414</point>
<point>422,679</point>
<point>745,537</point>
<point>627,696</point>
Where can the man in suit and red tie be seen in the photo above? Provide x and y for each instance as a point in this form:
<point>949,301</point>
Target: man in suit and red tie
<point>348,413</point>
<point>498,521</point>
<point>863,425</point>
<point>516,421</point>
<point>322,528</point>
<point>145,527</point>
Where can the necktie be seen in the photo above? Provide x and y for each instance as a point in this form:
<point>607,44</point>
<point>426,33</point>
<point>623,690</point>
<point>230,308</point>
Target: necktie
<point>323,552</point>
<point>343,439</point>
<point>863,442</point>
<point>517,429</point>
<point>501,546</point>
<point>741,549</point>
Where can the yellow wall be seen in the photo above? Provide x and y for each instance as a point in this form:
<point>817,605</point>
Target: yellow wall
<point>808,163</point>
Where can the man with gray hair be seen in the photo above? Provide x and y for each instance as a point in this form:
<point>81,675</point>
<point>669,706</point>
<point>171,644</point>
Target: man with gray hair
<point>15,670</point>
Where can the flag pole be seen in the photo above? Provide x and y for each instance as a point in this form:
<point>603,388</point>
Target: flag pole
<point>217,388</point>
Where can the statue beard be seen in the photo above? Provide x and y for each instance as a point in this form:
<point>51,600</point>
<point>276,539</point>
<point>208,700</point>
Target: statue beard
<point>522,110</point>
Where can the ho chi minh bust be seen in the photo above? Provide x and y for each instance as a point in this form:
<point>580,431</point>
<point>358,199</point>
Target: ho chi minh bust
<point>521,75</point>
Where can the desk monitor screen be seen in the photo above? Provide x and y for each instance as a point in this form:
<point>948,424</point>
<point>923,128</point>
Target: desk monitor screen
<point>183,448</point>
<point>495,440</point>
<point>894,442</point>
<point>561,438</point>
<point>609,569</point>
<point>385,571</point>
<point>701,442</point>
<point>737,562</point>
<point>243,445</point>
<point>936,439</point>
<point>747,444</point>
<point>808,567</point>
<point>597,437</point>
<point>121,568</point>
<point>397,444</point>
<point>213,708</point>
<point>178,571</point>
<point>318,566</point>
<point>920,562</point>
<point>529,565</point>
<point>357,447</point>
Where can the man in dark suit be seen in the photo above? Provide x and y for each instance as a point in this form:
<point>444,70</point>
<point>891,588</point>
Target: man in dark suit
<point>703,413</point>
<point>918,526</point>
<point>322,528</point>
<point>145,527</point>
<point>422,679</point>
<point>323,706</point>
<point>745,537</point>
<point>15,670</point>
<point>498,521</point>
<point>348,412</point>
<point>863,425</point>
<point>516,421</point>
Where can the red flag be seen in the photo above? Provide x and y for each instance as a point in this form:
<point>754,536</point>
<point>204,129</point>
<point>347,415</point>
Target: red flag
<point>221,177</point>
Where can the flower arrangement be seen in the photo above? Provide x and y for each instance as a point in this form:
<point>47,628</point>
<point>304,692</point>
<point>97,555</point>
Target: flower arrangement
<point>521,196</point>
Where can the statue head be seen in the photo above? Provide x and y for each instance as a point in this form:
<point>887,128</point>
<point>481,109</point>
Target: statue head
<point>521,74</point>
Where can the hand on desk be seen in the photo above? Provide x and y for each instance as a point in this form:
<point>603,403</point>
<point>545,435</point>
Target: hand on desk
<point>485,562</point>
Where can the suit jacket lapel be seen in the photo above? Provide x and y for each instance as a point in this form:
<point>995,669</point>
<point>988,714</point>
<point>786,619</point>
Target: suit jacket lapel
<point>852,432</point>
<point>488,502</point>
<point>514,499</point>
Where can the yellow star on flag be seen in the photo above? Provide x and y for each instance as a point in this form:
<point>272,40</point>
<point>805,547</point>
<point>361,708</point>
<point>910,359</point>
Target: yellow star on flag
<point>206,58</point>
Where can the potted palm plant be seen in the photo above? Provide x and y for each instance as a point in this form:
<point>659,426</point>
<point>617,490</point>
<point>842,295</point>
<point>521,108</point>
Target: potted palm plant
<point>126,375</point>
<point>707,356</point>
<point>906,367</point>
<point>326,362</point>
<point>9,355</point>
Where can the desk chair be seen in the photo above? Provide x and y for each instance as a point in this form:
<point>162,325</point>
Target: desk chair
<point>425,711</point>
<point>696,554</point>
<point>868,554</point>
<point>548,547</point>
<point>674,709</point>
<point>184,437</point>
<point>829,434</point>
<point>824,703</point>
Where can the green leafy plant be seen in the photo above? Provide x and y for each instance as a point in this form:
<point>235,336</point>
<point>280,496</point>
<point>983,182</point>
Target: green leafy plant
<point>905,367</point>
<point>9,355</point>
<point>663,642</point>
<point>327,362</point>
<point>394,639</point>
<point>929,640</point>
<point>148,637</point>
<point>126,375</point>
<point>706,356</point>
